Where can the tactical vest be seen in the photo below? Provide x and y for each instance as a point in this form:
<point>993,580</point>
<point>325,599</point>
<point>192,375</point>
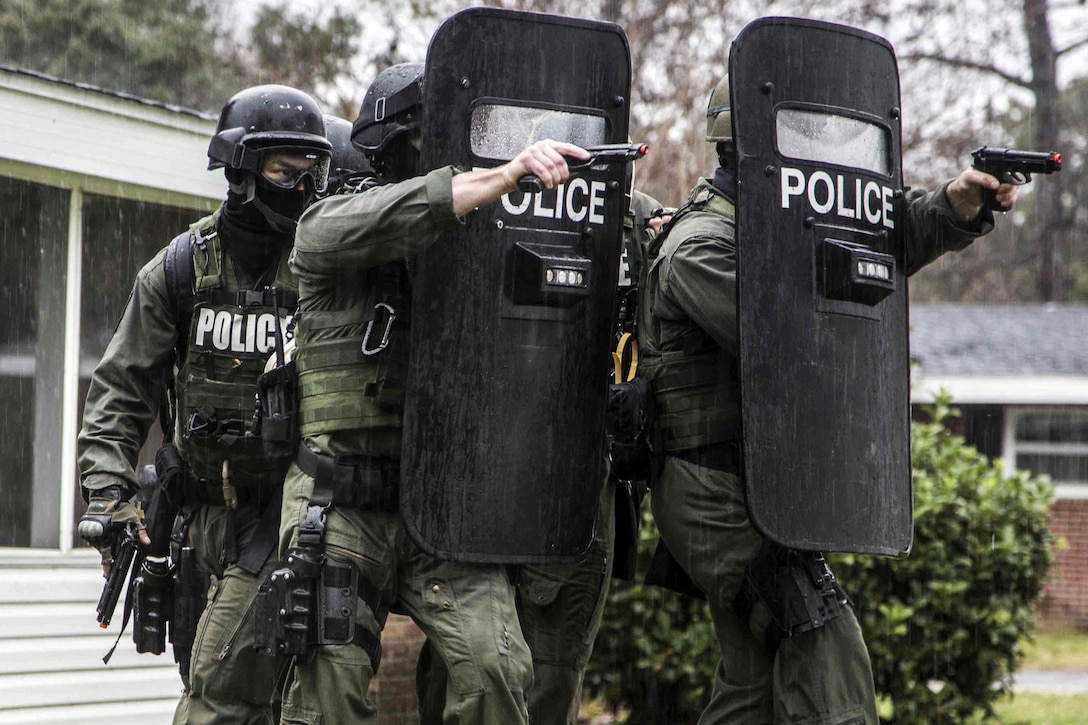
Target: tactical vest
<point>232,333</point>
<point>695,382</point>
<point>353,362</point>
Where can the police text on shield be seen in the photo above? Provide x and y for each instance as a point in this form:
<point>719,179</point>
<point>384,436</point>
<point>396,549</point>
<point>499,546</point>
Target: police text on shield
<point>847,198</point>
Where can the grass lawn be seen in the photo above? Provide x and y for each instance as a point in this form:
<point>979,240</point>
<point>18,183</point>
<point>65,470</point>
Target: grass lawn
<point>1052,650</point>
<point>1059,649</point>
<point>1030,708</point>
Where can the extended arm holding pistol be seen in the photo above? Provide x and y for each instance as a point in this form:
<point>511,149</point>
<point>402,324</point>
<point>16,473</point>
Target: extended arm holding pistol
<point>1013,167</point>
<point>603,155</point>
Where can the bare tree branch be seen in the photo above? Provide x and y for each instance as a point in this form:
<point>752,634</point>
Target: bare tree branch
<point>967,64</point>
<point>1079,44</point>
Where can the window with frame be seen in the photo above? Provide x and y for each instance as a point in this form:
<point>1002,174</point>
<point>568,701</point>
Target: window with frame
<point>1053,442</point>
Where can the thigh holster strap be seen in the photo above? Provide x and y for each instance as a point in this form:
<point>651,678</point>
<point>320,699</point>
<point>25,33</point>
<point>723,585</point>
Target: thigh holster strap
<point>341,589</point>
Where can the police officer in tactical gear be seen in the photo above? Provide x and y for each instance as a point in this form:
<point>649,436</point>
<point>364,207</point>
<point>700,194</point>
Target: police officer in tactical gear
<point>769,671</point>
<point>352,255</point>
<point>203,316</point>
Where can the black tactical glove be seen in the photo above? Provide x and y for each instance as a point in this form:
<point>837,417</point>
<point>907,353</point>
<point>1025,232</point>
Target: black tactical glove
<point>108,512</point>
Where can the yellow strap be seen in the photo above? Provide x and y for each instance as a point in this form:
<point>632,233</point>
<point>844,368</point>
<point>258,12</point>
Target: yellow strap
<point>617,358</point>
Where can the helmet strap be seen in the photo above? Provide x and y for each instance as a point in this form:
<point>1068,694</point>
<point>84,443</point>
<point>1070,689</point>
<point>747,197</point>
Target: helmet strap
<point>246,187</point>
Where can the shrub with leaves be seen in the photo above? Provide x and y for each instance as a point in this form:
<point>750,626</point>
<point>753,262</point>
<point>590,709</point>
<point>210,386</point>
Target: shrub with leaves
<point>944,626</point>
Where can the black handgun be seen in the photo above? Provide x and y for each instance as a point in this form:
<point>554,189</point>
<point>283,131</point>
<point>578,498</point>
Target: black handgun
<point>124,549</point>
<point>1013,167</point>
<point>603,155</point>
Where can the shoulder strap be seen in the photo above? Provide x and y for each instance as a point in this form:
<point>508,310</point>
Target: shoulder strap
<point>702,200</point>
<point>177,265</point>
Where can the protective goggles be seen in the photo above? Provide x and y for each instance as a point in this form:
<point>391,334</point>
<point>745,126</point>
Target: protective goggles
<point>288,166</point>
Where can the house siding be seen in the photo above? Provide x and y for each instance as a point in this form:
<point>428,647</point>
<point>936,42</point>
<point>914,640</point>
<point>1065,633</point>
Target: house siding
<point>51,648</point>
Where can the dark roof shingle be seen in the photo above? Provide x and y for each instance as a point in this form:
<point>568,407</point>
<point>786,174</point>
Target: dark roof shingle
<point>1041,339</point>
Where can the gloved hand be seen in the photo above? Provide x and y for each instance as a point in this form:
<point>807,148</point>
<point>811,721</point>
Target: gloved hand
<point>108,512</point>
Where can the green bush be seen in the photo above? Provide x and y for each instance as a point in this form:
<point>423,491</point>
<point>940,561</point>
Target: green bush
<point>943,626</point>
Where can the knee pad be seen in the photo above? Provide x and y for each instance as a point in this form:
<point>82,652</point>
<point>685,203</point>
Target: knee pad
<point>786,593</point>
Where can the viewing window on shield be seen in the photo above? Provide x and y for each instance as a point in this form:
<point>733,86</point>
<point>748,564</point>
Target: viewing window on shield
<point>828,138</point>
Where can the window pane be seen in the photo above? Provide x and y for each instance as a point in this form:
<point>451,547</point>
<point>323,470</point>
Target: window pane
<point>827,138</point>
<point>1065,426</point>
<point>500,132</point>
<point>1061,469</point>
<point>20,218</point>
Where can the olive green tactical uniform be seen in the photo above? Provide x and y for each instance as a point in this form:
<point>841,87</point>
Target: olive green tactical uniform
<point>228,682</point>
<point>352,407</point>
<point>688,330</point>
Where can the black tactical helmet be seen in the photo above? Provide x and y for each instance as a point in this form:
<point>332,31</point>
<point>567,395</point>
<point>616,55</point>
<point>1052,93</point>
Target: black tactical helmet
<point>349,165</point>
<point>263,118</point>
<point>392,106</point>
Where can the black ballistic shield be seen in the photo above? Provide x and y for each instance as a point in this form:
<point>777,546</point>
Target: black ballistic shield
<point>822,294</point>
<point>511,322</point>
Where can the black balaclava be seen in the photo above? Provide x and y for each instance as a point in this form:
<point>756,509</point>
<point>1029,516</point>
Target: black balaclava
<point>725,177</point>
<point>401,159</point>
<point>258,222</point>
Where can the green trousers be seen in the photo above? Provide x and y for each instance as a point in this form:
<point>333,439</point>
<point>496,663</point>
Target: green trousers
<point>560,608</point>
<point>820,677</point>
<point>466,610</point>
<point>229,683</point>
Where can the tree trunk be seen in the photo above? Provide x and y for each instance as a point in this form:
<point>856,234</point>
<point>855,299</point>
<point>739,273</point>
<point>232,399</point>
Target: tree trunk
<point>1045,135</point>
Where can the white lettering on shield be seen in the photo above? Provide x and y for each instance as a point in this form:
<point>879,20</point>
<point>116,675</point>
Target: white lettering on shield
<point>577,200</point>
<point>838,195</point>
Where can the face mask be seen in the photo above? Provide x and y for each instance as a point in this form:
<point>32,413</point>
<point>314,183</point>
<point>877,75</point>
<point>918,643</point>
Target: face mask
<point>286,202</point>
<point>401,162</point>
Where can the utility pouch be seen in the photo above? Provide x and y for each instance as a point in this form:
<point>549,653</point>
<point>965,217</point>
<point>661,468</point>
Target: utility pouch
<point>276,418</point>
<point>190,598</point>
<point>154,596</point>
<point>286,606</point>
<point>169,467</point>
<point>629,423</point>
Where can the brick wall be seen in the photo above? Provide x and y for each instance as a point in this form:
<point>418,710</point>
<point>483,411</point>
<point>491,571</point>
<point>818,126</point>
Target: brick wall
<point>393,691</point>
<point>1065,602</point>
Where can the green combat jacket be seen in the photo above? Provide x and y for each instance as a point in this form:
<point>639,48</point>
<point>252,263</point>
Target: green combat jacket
<point>688,315</point>
<point>349,255</point>
<point>130,380</point>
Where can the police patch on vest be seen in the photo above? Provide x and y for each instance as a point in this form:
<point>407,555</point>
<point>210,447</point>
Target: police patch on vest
<point>236,332</point>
